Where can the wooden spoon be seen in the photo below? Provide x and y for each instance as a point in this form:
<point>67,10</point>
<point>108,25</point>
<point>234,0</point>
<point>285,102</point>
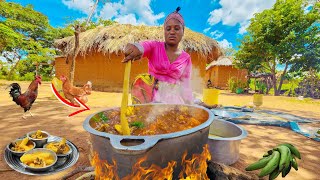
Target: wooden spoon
<point>124,104</point>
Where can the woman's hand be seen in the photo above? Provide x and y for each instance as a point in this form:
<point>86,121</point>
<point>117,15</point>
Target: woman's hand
<point>131,53</point>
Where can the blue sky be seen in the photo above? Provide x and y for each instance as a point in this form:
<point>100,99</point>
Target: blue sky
<point>222,20</point>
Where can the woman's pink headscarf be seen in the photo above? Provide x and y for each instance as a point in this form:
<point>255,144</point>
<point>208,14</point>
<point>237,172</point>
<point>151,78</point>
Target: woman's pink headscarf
<point>175,15</point>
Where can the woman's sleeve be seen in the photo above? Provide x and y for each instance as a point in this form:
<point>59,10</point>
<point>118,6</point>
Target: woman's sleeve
<point>147,48</point>
<point>186,84</point>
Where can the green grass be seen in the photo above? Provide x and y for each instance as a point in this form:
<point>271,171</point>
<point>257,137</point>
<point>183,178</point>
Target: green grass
<point>285,86</point>
<point>305,100</point>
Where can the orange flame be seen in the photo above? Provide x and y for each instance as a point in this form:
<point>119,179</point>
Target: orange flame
<point>196,167</point>
<point>153,172</point>
<point>103,170</point>
<point>193,169</point>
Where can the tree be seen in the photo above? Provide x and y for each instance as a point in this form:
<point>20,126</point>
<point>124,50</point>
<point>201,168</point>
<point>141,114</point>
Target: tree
<point>24,25</point>
<point>8,37</point>
<point>285,34</point>
<point>77,30</point>
<point>26,34</point>
<point>80,27</point>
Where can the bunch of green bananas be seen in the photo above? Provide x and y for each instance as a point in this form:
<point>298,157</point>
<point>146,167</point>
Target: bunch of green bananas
<point>276,161</point>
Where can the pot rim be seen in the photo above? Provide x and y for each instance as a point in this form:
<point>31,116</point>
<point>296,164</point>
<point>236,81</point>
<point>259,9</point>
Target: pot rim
<point>243,134</point>
<point>150,140</point>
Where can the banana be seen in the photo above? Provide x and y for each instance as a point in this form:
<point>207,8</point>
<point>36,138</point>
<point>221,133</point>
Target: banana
<point>275,173</point>
<point>271,165</point>
<point>294,163</point>
<point>286,170</point>
<point>293,149</point>
<point>288,161</point>
<point>259,164</point>
<point>285,157</point>
<point>268,153</point>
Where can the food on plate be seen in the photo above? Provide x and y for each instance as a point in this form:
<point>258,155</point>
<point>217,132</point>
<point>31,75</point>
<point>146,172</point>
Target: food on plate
<point>22,145</point>
<point>37,159</point>
<point>59,147</point>
<point>39,135</point>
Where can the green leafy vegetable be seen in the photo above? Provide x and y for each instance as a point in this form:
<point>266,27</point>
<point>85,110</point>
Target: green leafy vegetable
<point>138,124</point>
<point>103,117</point>
<point>95,119</point>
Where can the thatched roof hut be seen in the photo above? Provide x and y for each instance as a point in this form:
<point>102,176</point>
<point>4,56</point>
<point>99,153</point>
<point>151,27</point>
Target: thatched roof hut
<point>222,61</point>
<point>107,43</point>
<point>221,70</point>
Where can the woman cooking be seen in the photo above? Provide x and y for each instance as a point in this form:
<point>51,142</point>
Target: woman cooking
<point>170,66</point>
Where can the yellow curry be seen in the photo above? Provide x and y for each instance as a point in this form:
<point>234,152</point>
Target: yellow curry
<point>150,120</point>
<point>37,159</point>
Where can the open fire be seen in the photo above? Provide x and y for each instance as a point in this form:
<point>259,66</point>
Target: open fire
<point>192,169</point>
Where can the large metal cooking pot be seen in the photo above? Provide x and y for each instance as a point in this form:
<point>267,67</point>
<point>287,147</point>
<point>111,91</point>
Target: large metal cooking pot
<point>159,149</point>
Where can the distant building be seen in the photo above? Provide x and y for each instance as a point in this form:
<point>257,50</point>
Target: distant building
<point>221,70</point>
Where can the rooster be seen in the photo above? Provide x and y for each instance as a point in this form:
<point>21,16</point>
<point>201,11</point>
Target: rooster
<point>71,92</point>
<point>26,99</point>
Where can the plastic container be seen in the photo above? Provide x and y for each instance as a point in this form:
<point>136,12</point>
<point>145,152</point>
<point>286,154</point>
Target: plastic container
<point>258,100</point>
<point>239,91</point>
<point>211,96</point>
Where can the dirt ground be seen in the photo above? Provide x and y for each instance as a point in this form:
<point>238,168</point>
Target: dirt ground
<point>51,116</point>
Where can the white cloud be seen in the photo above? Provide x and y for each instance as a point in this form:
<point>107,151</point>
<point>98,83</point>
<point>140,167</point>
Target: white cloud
<point>138,12</point>
<point>82,19</point>
<point>238,12</point>
<point>243,27</point>
<point>84,6</point>
<point>127,19</point>
<point>215,16</point>
<point>110,10</point>
<point>225,44</point>
<point>206,30</point>
<point>216,34</point>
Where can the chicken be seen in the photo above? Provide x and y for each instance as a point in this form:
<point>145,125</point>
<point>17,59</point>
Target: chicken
<point>71,92</point>
<point>26,99</point>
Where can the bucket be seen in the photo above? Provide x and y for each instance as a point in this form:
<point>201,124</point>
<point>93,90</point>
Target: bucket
<point>210,96</point>
<point>239,90</point>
